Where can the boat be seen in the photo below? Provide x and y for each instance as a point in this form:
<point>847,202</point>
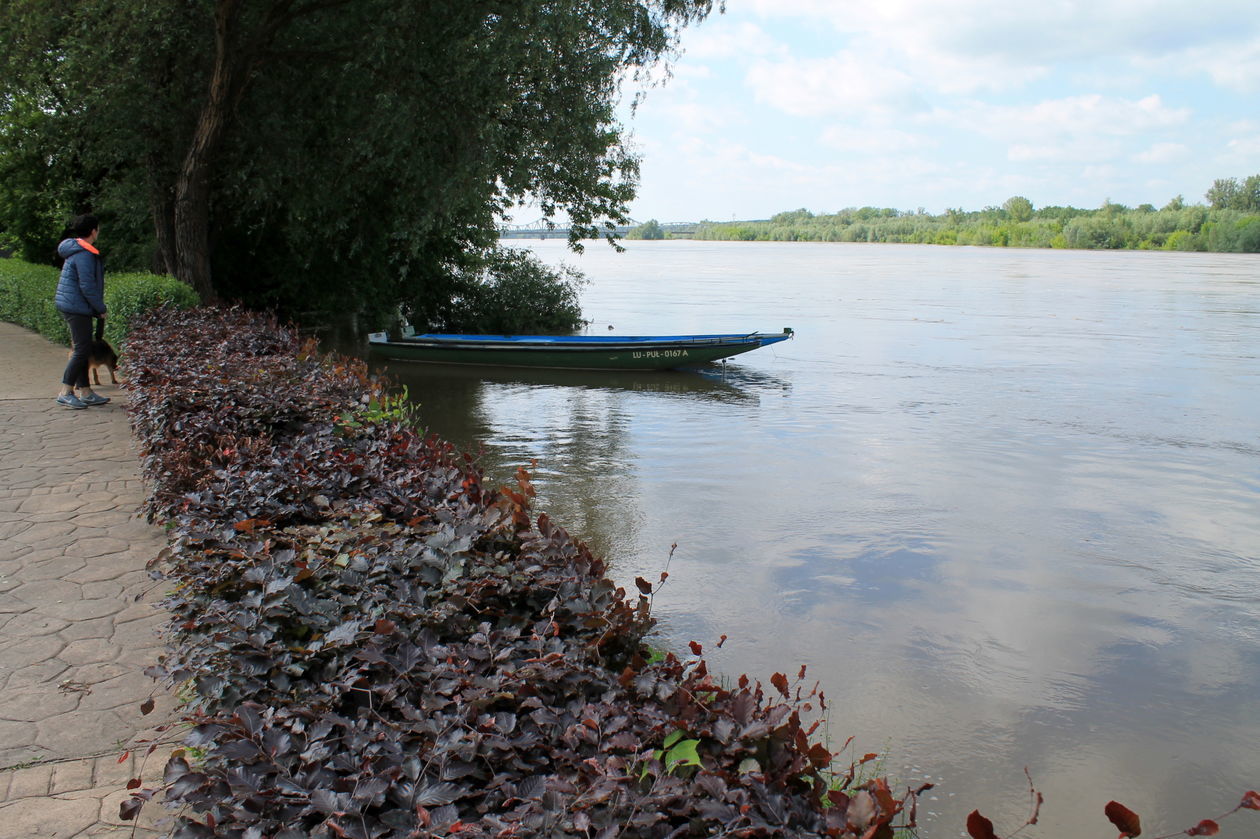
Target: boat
<point>571,352</point>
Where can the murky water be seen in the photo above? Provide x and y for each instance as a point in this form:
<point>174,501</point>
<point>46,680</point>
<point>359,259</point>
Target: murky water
<point>1004,504</point>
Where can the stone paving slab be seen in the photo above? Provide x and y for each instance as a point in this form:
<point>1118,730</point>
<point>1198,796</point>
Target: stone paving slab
<point>78,616</point>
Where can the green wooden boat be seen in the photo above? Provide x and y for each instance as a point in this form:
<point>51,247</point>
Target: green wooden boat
<point>572,352</point>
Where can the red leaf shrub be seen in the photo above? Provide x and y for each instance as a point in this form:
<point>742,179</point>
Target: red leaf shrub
<point>374,644</point>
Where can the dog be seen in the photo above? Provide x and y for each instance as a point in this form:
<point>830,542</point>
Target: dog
<point>102,355</point>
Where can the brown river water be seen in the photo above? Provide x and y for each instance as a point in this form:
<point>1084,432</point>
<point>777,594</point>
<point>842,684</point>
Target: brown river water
<point>1004,504</point>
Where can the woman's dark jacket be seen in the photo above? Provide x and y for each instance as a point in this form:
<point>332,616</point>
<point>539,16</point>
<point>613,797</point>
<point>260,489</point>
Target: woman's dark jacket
<point>81,289</point>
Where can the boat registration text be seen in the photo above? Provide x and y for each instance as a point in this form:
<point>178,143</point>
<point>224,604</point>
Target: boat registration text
<point>659,354</point>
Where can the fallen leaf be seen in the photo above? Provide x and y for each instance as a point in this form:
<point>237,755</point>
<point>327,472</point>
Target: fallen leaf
<point>1125,820</point>
<point>978,827</point>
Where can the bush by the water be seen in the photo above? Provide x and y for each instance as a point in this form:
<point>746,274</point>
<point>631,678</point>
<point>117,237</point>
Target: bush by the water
<point>650,229</point>
<point>374,643</point>
<point>509,292</point>
<point>26,298</point>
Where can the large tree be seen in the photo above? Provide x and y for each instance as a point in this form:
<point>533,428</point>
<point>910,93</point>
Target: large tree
<point>1232,194</point>
<point>324,154</point>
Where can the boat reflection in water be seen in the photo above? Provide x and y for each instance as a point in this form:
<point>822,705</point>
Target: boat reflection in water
<point>587,437</point>
<point>712,382</point>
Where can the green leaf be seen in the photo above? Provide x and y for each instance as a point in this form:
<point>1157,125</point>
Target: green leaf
<point>683,754</point>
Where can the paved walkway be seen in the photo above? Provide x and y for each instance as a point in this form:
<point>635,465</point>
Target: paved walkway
<point>77,616</point>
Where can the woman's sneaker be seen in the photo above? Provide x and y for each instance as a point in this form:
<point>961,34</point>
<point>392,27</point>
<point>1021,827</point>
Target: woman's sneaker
<point>93,399</point>
<point>71,401</point>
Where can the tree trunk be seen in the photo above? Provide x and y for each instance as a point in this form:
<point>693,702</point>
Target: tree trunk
<point>162,206</point>
<point>237,54</point>
<point>192,187</point>
<point>192,228</point>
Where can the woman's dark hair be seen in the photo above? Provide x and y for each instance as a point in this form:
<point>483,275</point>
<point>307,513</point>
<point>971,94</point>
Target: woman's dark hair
<point>84,225</point>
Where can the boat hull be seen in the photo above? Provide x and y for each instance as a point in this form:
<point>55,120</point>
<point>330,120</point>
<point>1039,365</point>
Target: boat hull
<point>576,353</point>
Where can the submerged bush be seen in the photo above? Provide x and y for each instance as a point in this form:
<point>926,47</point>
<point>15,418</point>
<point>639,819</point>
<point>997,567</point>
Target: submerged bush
<point>510,292</point>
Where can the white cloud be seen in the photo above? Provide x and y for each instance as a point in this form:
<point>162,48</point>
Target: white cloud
<point>1085,116</point>
<point>1163,153</point>
<point>914,102</point>
<point>1081,151</point>
<point>692,72</point>
<point>843,83</point>
<point>874,140</point>
<point>697,117</point>
<point>1098,173</point>
<point>1045,30</point>
<point>743,39</point>
<point>1245,146</point>
<point>729,157</point>
<point>972,45</point>
<point>1235,67</point>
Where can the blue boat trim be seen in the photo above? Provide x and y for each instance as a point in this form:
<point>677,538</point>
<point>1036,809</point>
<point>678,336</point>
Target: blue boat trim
<point>600,341</point>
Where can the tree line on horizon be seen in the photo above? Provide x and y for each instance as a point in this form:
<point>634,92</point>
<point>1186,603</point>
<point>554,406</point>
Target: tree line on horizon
<point>1228,223</point>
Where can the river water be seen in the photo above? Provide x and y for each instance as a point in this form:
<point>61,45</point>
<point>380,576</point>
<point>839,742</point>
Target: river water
<point>1004,504</point>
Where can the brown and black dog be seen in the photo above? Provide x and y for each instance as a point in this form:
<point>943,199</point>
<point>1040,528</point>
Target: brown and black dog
<point>103,355</point>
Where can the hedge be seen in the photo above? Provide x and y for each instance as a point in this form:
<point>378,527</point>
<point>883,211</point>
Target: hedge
<point>374,643</point>
<point>26,298</point>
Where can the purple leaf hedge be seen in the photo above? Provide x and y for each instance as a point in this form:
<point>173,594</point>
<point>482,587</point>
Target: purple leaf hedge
<point>374,644</point>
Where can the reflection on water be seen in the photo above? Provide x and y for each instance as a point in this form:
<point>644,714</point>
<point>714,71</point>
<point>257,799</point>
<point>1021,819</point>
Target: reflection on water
<point>709,382</point>
<point>1002,503</point>
<point>580,432</point>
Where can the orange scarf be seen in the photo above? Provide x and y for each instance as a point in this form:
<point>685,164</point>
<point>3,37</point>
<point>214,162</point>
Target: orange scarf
<point>88,245</point>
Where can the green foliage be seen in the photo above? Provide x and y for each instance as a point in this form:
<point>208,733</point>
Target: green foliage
<point>26,298</point>
<point>1017,224</point>
<point>791,217</point>
<point>675,755</point>
<point>1232,194</point>
<point>367,150</point>
<point>1181,240</point>
<point>128,296</point>
<point>381,408</point>
<point>654,655</point>
<point>1233,232</point>
<point>509,293</point>
<point>1019,208</point>
<point>650,229</point>
<point>35,188</point>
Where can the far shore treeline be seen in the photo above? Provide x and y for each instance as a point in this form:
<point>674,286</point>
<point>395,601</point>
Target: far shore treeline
<point>1228,223</point>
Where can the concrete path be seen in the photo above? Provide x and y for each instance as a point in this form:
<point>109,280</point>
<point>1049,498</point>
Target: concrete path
<point>77,610</point>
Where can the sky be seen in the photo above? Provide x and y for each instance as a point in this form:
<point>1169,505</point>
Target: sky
<point>934,104</point>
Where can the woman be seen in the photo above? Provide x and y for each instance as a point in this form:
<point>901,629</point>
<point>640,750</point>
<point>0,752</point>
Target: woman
<point>80,297</point>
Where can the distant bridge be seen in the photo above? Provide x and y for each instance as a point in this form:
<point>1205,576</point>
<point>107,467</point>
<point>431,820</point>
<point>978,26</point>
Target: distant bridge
<point>539,230</point>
